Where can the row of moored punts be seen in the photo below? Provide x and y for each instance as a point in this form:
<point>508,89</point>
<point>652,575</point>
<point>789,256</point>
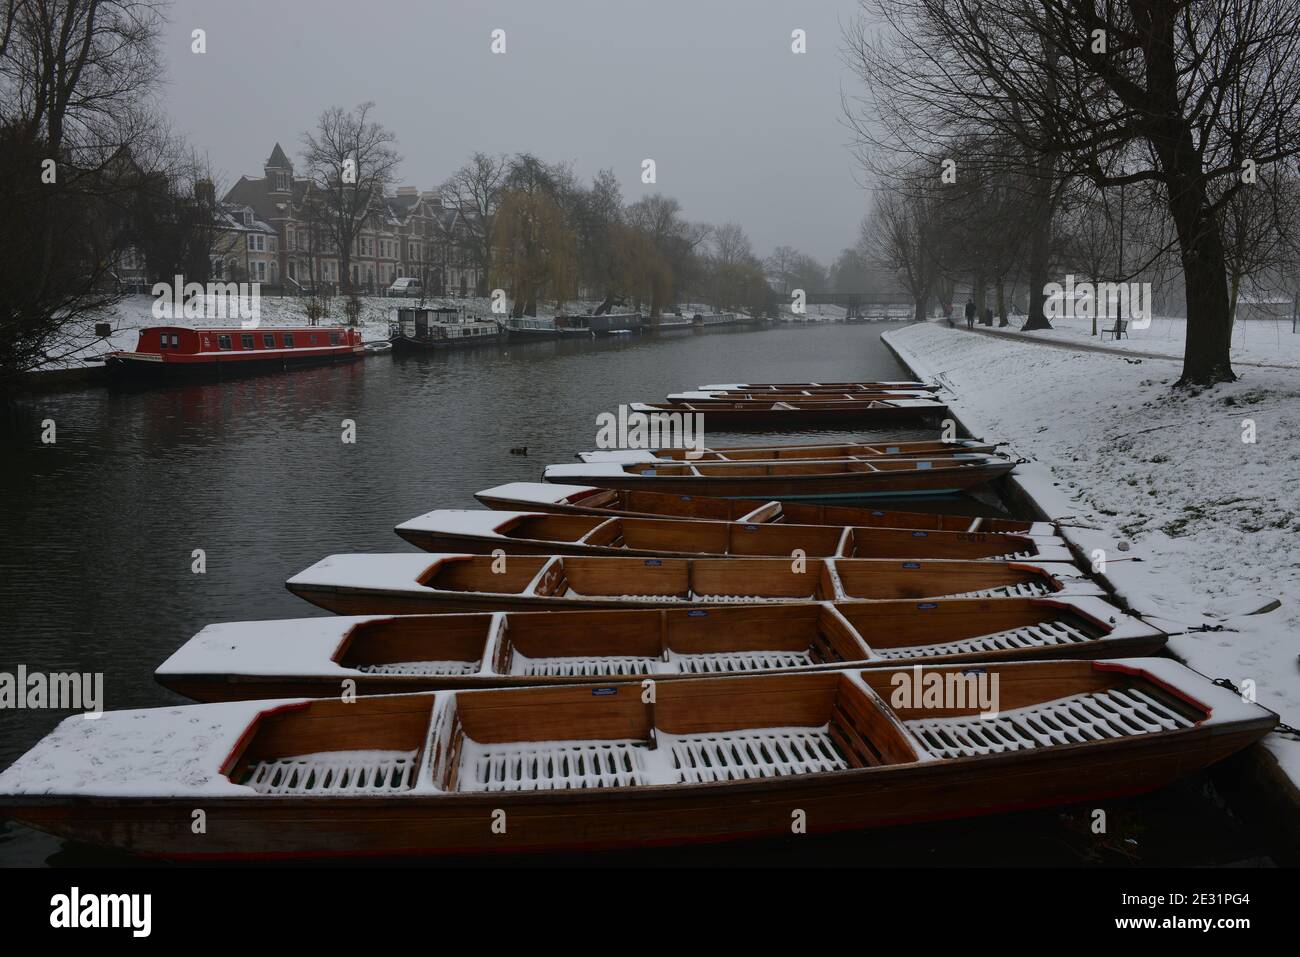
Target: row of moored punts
<point>653,647</point>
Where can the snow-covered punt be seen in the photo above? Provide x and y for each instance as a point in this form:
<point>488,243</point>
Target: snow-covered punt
<point>483,532</point>
<point>444,327</point>
<point>585,767</point>
<point>591,500</point>
<point>762,453</point>
<point>185,351</point>
<point>773,414</point>
<point>850,477</point>
<point>871,386</point>
<point>311,657</point>
<point>402,583</point>
<point>700,397</point>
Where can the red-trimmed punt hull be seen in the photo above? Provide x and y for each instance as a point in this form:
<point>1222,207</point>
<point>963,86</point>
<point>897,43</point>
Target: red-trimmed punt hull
<point>593,500</point>
<point>846,484</point>
<point>824,415</point>
<point>546,821</point>
<point>868,768</point>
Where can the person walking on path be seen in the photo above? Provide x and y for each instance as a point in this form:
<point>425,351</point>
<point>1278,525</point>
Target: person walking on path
<point>970,313</point>
<point>988,315</point>
<point>947,313</point>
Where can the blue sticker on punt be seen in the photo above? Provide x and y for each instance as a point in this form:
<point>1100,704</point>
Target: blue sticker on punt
<point>603,692</point>
<point>653,562</point>
<point>911,564</point>
<point>877,514</point>
<point>750,528</point>
<point>920,534</point>
<point>927,605</point>
<point>697,613</point>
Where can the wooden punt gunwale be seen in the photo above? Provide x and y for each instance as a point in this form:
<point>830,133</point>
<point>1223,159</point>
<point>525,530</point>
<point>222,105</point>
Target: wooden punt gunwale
<point>852,759</point>
<point>855,477</point>
<point>765,453</point>
<point>770,414</point>
<point>367,584</point>
<point>483,532</point>
<point>565,499</point>
<point>391,654</point>
<point>864,386</point>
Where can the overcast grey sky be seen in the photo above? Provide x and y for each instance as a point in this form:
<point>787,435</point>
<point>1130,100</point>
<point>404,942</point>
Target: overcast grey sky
<point>740,128</point>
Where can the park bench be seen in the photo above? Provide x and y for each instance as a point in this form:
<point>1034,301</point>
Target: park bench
<point>1116,331</point>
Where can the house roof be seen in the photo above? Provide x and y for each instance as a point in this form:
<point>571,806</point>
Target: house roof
<point>278,160</point>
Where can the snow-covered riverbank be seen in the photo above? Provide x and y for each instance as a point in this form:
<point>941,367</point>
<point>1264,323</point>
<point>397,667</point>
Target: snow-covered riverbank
<point>1254,342</point>
<point>1199,527</point>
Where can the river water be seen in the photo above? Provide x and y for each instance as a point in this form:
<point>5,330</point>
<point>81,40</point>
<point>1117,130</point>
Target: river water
<point>98,530</point>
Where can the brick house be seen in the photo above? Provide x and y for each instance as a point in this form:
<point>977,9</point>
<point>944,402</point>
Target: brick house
<point>407,234</point>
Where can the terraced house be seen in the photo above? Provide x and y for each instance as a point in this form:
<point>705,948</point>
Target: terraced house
<point>410,234</point>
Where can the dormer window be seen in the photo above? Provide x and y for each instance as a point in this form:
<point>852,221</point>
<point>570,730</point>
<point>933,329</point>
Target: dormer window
<point>248,217</point>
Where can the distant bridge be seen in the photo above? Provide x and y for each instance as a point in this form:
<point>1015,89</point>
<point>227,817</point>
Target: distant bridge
<point>865,304</point>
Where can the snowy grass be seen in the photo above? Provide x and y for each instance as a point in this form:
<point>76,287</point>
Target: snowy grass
<point>1162,476</point>
<point>1266,341</point>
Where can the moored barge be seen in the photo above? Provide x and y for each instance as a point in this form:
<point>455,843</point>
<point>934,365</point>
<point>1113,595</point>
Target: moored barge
<point>444,327</point>
<point>178,350</point>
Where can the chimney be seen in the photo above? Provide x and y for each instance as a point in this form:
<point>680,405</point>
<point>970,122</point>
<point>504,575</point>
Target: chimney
<point>205,193</point>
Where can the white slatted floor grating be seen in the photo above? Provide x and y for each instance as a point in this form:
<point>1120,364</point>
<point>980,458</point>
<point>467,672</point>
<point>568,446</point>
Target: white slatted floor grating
<point>1030,636</point>
<point>730,661</point>
<point>573,667</point>
<point>554,765</point>
<point>679,759</point>
<point>1034,589</point>
<point>738,755</point>
<point>740,661</point>
<point>335,772</point>
<point>420,668</point>
<point>1118,713</point>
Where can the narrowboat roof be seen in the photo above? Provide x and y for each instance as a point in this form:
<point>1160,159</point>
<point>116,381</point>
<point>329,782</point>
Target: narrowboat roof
<point>237,330</point>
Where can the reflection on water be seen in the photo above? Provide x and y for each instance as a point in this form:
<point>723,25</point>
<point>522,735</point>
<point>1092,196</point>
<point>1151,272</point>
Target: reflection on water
<point>98,530</point>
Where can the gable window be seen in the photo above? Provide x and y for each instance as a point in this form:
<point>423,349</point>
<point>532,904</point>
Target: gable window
<point>223,342</point>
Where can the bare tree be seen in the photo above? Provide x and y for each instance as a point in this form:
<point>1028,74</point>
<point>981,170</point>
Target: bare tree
<point>473,190</point>
<point>350,161</point>
<point>77,145</point>
<point>899,233</point>
<point>1185,94</point>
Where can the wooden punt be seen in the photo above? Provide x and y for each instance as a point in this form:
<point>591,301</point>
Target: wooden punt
<point>483,532</point>
<point>766,453</point>
<point>636,503</point>
<point>582,767</point>
<point>804,396</point>
<point>403,583</point>
<point>773,415</point>
<point>312,657</point>
<point>876,386</point>
<point>848,478</point>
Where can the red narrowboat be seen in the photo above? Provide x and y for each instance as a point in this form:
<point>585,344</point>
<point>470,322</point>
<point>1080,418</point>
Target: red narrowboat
<point>185,351</point>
